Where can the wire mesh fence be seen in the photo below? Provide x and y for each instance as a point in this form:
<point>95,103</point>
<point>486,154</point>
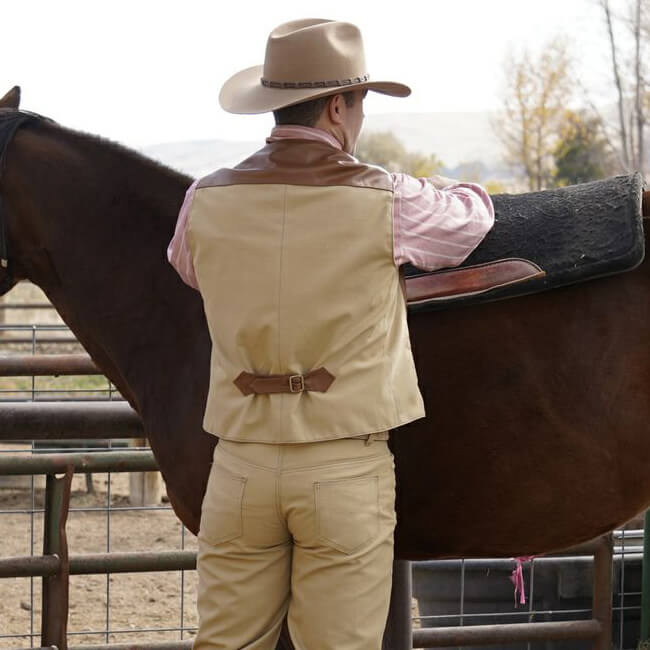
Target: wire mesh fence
<point>479,592</point>
<point>118,608</point>
<point>103,608</point>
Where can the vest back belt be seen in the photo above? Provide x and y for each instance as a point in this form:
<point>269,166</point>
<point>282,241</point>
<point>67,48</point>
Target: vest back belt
<point>317,380</point>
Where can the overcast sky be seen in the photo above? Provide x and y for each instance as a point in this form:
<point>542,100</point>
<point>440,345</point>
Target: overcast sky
<point>144,72</point>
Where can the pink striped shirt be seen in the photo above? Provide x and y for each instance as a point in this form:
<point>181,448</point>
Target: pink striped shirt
<point>436,222</point>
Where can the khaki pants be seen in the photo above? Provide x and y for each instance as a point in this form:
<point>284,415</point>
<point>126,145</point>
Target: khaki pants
<point>304,530</point>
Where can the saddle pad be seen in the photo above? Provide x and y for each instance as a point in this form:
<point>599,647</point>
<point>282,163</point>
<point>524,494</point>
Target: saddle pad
<point>574,233</point>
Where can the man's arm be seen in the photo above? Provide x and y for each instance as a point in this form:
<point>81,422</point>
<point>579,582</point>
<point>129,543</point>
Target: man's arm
<point>438,222</point>
<point>178,252</point>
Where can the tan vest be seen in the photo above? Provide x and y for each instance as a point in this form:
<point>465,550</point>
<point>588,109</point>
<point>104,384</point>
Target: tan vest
<point>293,253</point>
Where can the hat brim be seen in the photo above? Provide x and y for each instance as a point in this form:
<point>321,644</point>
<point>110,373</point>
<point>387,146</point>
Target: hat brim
<point>244,93</point>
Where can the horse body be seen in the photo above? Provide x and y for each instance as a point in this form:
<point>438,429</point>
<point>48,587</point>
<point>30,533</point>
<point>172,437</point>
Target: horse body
<point>538,416</point>
<point>536,435</point>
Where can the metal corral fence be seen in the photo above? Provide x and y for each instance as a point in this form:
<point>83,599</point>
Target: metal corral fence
<point>68,426</point>
<point>542,626</point>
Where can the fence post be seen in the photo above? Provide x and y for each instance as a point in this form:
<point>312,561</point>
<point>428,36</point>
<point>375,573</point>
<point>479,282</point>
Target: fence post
<point>602,598</point>
<point>54,617</point>
<point>145,488</point>
<point>398,634</point>
<point>645,580</point>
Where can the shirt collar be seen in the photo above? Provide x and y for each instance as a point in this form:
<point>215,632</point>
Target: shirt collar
<point>297,132</point>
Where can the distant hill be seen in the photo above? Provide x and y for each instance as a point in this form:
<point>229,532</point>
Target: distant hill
<point>200,157</point>
<point>455,138</point>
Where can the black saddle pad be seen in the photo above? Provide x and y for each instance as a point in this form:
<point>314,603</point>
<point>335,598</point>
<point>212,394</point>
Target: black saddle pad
<point>575,233</point>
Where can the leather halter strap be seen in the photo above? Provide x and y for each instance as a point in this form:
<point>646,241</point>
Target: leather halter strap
<point>11,120</point>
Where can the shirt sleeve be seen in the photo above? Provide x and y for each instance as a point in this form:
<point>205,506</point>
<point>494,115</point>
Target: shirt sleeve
<point>436,228</point>
<point>178,252</point>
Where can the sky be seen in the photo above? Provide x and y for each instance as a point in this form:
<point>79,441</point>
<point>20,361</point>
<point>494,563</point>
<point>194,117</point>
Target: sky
<point>143,72</point>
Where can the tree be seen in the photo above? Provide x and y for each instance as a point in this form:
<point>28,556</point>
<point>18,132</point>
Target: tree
<point>631,86</point>
<point>383,148</point>
<point>582,152</point>
<point>537,91</point>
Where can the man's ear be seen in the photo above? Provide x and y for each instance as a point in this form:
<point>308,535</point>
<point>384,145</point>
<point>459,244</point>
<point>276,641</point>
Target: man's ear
<point>334,109</point>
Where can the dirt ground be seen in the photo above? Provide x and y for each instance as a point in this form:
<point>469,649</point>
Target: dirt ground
<point>145,600</point>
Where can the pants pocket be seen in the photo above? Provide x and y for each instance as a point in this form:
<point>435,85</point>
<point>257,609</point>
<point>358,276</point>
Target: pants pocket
<point>221,510</point>
<point>347,512</point>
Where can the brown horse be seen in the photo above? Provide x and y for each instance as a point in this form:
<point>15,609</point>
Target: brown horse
<point>537,434</point>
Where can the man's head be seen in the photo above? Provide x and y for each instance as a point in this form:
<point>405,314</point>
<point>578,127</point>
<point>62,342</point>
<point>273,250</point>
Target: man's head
<point>307,60</point>
<point>340,114</point>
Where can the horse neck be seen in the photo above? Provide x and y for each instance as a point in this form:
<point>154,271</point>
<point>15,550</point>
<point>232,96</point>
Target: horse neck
<point>104,217</point>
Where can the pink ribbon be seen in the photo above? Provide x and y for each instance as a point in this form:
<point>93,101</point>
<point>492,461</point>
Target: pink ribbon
<point>517,578</point>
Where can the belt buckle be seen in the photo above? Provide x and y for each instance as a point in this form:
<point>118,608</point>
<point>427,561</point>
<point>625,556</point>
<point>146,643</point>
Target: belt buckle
<point>296,383</point>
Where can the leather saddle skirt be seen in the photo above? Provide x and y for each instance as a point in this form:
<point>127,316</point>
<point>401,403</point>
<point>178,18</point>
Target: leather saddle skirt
<point>540,241</point>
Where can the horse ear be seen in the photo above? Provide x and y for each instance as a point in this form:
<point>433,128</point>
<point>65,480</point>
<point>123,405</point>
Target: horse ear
<point>11,99</point>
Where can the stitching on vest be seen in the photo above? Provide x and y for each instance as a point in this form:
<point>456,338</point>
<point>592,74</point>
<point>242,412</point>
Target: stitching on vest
<point>389,320</point>
<point>274,182</point>
<point>282,246</point>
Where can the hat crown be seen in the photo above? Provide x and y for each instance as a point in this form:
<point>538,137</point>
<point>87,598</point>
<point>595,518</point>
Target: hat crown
<point>314,50</point>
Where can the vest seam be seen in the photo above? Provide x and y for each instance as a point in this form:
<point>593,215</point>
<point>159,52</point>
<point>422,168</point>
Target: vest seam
<point>397,235</point>
<point>280,287</point>
<point>188,234</point>
<point>358,185</point>
<point>406,419</point>
<point>390,320</point>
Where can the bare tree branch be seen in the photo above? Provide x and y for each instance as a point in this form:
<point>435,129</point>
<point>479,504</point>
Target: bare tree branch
<point>640,153</point>
<point>619,86</point>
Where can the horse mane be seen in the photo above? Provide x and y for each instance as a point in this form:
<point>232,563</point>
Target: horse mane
<point>96,161</point>
<point>131,156</point>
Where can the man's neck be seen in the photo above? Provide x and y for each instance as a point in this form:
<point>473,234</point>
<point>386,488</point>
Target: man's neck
<point>296,131</point>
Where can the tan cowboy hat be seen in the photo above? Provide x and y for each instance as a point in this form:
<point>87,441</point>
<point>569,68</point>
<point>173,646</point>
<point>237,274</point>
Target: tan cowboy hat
<point>305,59</point>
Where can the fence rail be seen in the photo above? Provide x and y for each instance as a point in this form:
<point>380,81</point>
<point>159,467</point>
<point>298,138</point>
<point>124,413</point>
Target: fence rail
<point>28,365</point>
<point>71,419</point>
<point>26,305</point>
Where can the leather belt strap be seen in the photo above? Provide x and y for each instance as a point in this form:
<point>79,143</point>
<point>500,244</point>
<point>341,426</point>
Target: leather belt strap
<point>315,380</point>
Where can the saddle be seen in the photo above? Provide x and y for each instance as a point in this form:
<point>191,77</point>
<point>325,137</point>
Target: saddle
<point>540,241</point>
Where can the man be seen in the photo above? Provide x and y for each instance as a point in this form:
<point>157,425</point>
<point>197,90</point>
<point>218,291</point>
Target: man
<point>296,253</point>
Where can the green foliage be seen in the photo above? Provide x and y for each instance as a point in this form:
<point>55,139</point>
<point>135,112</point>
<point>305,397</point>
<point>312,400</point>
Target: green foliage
<point>494,187</point>
<point>582,152</point>
<point>536,93</point>
<point>383,148</point>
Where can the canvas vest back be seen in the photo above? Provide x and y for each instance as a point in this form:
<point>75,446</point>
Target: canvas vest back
<point>293,254</point>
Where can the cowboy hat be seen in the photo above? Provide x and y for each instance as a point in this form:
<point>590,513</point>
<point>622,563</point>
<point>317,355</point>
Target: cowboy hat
<point>305,59</point>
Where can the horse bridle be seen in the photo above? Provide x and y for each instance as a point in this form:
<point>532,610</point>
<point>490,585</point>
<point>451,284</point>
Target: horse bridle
<point>11,119</point>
